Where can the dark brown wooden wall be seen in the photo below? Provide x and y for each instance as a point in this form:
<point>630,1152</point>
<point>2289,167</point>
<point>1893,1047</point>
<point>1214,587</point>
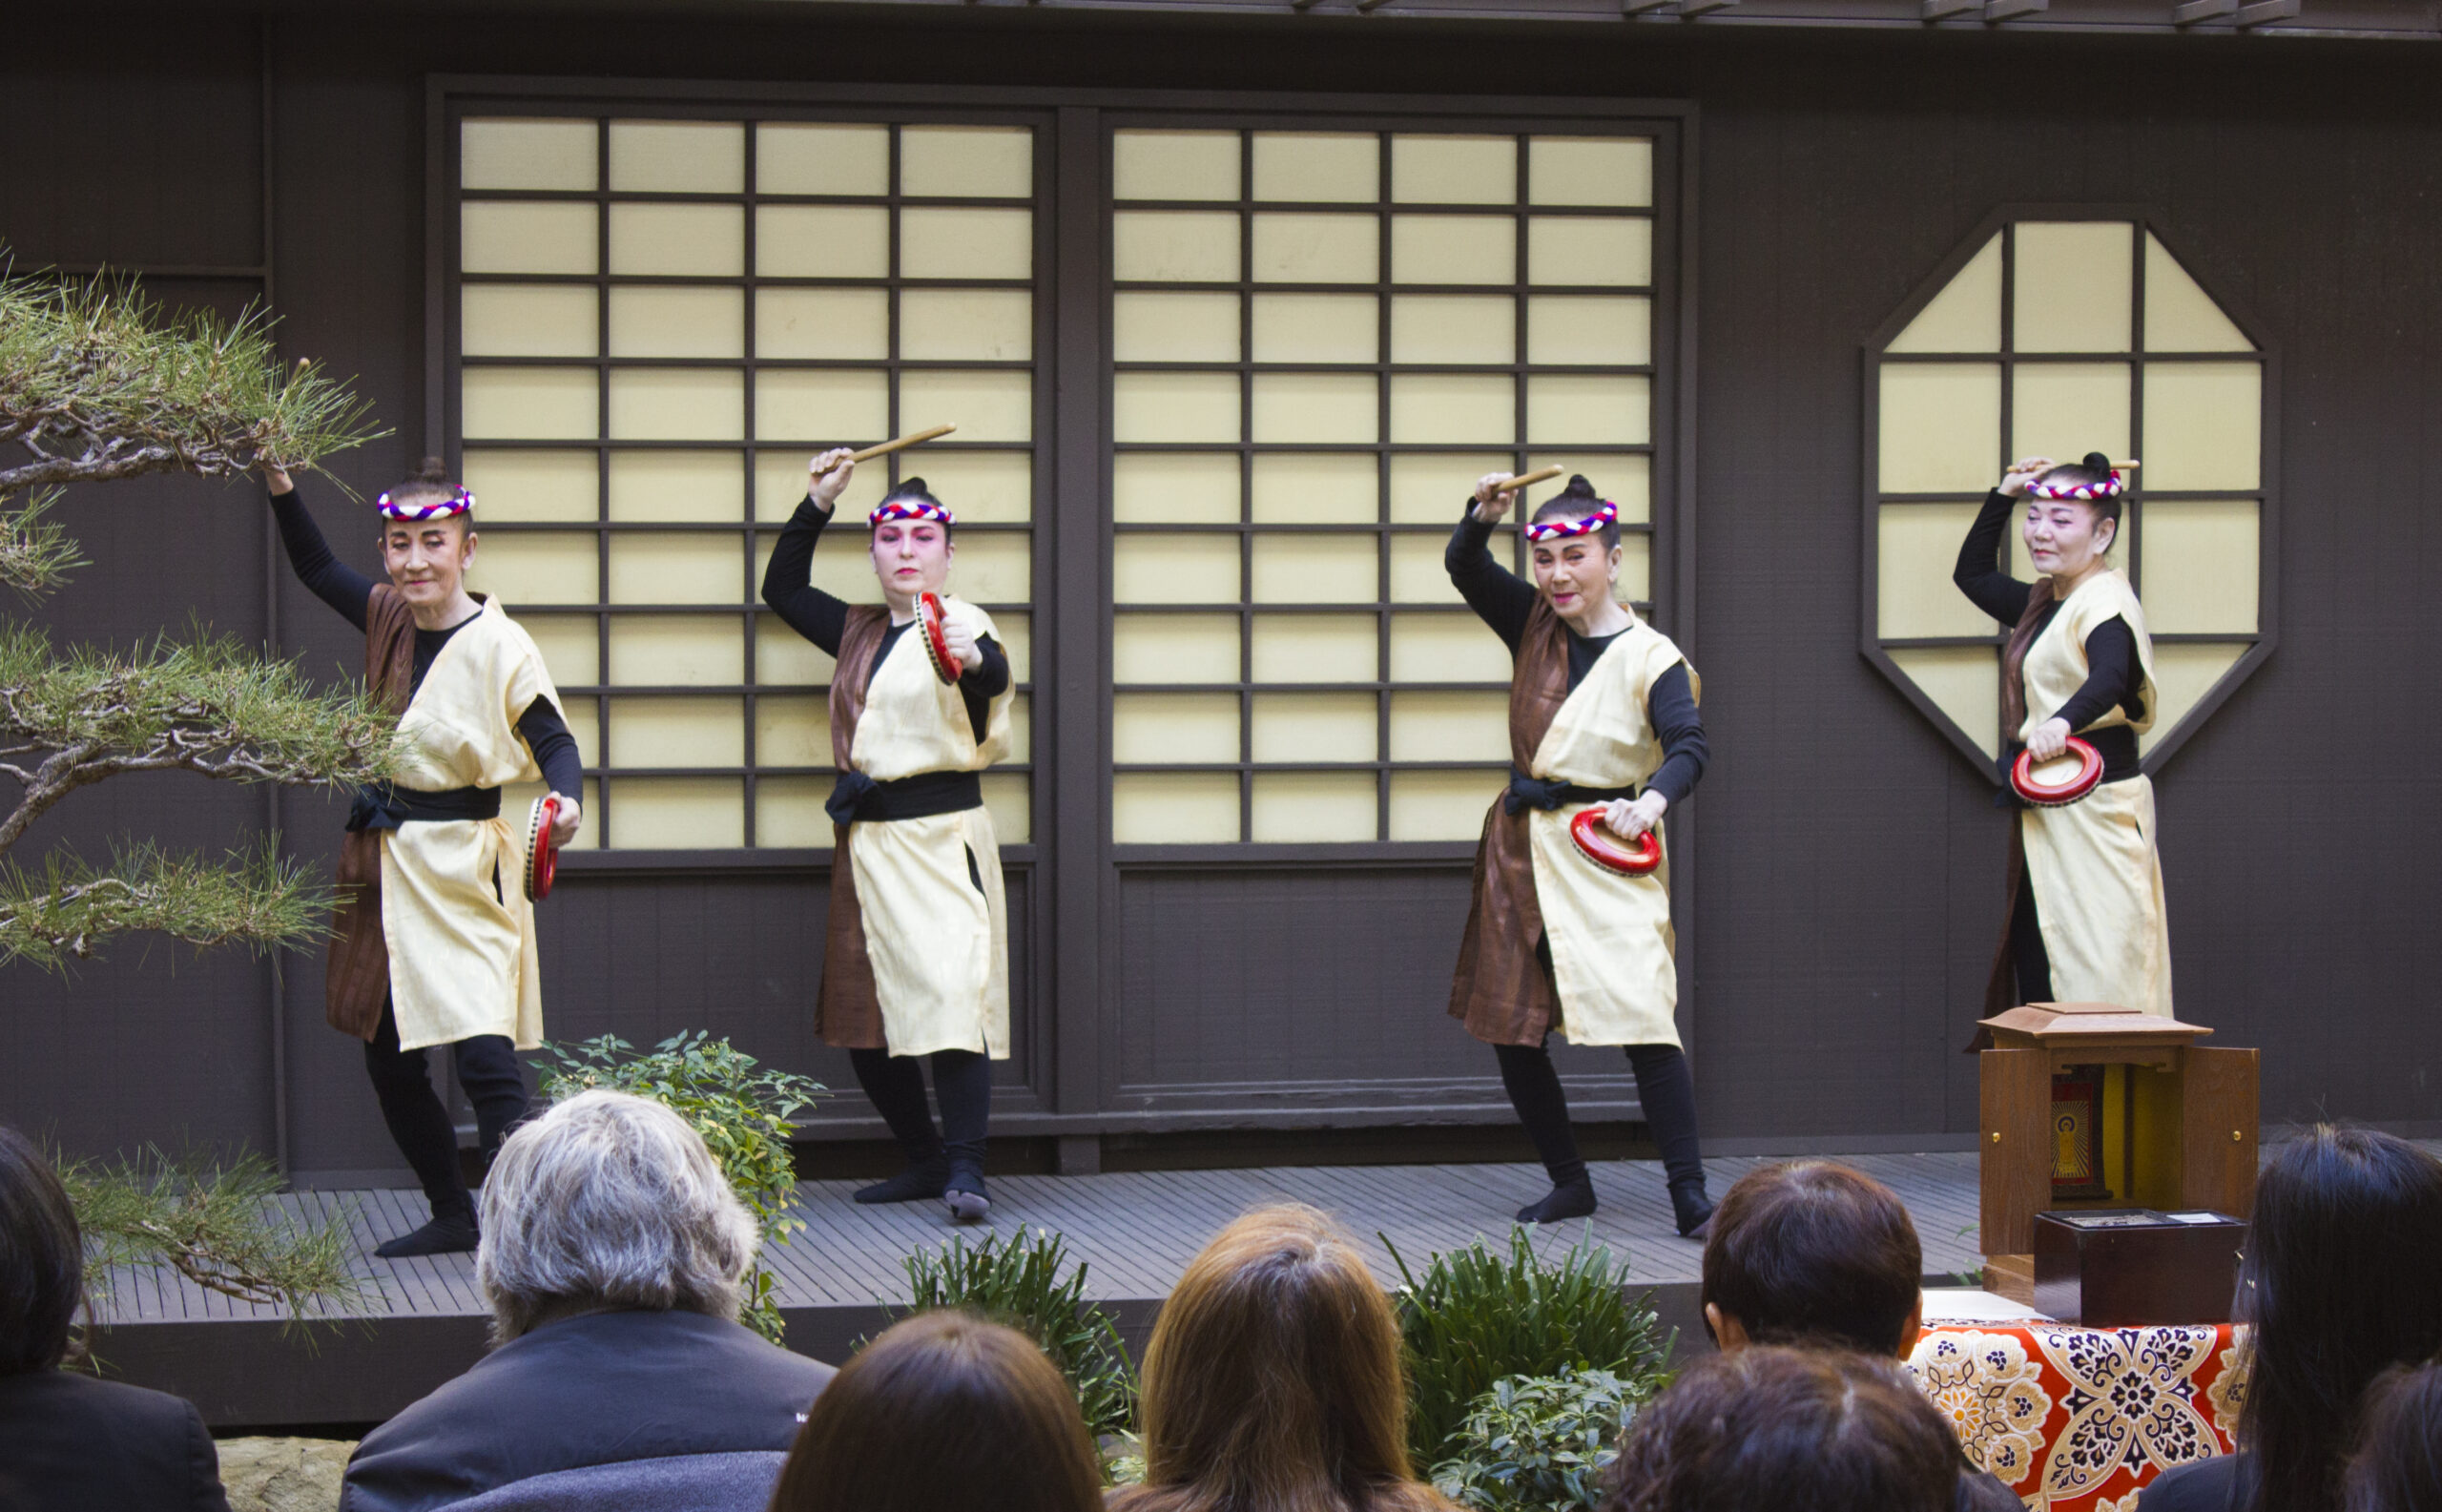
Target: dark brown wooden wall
<point>1849,864</point>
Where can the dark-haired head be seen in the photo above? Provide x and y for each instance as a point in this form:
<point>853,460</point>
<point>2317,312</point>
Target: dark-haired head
<point>2398,1463</point>
<point>1812,1252</point>
<point>1579,502</point>
<point>2091,480</point>
<point>913,490</point>
<point>430,485</point>
<point>41,1260</point>
<point>2338,1284</point>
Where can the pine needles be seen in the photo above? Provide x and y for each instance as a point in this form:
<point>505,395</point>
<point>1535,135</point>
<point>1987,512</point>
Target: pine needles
<point>218,1226</point>
<point>254,898</point>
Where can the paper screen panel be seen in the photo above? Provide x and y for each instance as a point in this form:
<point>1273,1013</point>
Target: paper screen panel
<point>1174,406</point>
<point>1174,728</point>
<point>704,241</point>
<point>672,485</point>
<point>1445,647</point>
<point>1636,569</point>
<point>662,568</point>
<point>823,406</point>
<point>1174,570</point>
<point>782,480</point>
<point>1454,249</point>
<point>822,157</point>
<point>1016,638</point>
<point>1940,427</point>
<point>1174,328</point>
<point>1442,806</point>
<point>1174,165</point>
<point>968,162</point>
<point>1916,547</point>
<point>1417,575</point>
<point>673,650</point>
<point>1174,487</point>
<point>1183,808</point>
<point>821,241</point>
<point>508,152</point>
<point>571,647</point>
<point>521,485</point>
<point>844,574</point>
<point>2203,425</point>
<point>1965,683</point>
<point>941,242</point>
<point>1627,482</point>
<point>527,320</point>
<point>1296,727</point>
<point>967,325</point>
<point>1565,330</point>
<point>2180,316</point>
<point>1589,171</point>
<point>823,323</point>
<point>1470,328</point>
<point>1316,328</point>
<point>536,569</point>
<point>1595,250</point>
<point>1589,411</point>
<point>789,813</point>
<point>672,403</point>
<point>585,726</point>
<point>678,323</point>
<point>993,568</point>
<point>1433,487</point>
<point>2201,565</point>
<point>1316,487</point>
<point>1447,407</point>
<point>1175,247</point>
<point>783,658</point>
<point>1449,727</point>
<point>1312,568</point>
<point>678,732</point>
<point>662,813</point>
<point>2067,409</point>
<point>1297,247</point>
<point>687,157</point>
<point>1318,165</point>
<point>1020,728</point>
<point>514,237</point>
<point>1292,407</point>
<point>1437,170</point>
<point>1966,314</point>
<point>791,731</point>
<point>2183,676</point>
<point>981,487</point>
<point>1009,798</point>
<point>1315,647</point>
<point>1295,808</point>
<point>517,800</point>
<point>531,404</point>
<point>984,405</point>
<point>2074,286</point>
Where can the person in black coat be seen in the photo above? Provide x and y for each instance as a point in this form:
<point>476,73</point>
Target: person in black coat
<point>66,1439</point>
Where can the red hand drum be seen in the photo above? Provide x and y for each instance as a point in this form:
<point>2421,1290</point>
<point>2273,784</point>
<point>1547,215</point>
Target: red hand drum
<point>929,618</point>
<point>542,856</point>
<point>1598,842</point>
<point>2055,790</point>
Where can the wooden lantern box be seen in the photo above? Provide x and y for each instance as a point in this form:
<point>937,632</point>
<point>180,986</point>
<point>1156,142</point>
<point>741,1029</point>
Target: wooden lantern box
<point>2123,1266</point>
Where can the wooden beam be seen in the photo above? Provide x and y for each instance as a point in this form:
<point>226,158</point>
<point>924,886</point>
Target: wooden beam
<point>2005,10</point>
<point>1937,10</point>
<point>1637,8</point>
<point>2266,10</point>
<point>2190,12</point>
<point>1689,9</point>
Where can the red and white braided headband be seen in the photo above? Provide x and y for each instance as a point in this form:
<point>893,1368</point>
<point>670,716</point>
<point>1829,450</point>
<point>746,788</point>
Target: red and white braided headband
<point>1555,529</point>
<point>2108,488</point>
<point>459,502</point>
<point>890,509</point>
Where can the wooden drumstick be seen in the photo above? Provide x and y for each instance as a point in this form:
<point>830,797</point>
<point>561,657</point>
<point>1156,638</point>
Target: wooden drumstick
<point>912,439</point>
<point>1524,480</point>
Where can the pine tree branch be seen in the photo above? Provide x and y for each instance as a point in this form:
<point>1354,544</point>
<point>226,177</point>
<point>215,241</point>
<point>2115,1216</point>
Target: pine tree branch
<point>71,908</point>
<point>36,553</point>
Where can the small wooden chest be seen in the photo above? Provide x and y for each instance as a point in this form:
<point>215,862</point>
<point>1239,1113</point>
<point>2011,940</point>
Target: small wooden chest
<point>2111,1267</point>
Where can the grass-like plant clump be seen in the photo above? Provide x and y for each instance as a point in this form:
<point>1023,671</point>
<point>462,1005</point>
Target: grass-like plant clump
<point>1019,1281</point>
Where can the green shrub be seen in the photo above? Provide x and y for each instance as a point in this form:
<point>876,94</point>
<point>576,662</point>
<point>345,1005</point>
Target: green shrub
<point>743,1114</point>
<point>1480,1314</point>
<point>1538,1443</point>
<point>1017,1281</point>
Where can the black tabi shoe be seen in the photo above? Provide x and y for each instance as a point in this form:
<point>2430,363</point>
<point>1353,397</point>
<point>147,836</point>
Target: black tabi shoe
<point>921,1182</point>
<point>451,1232</point>
<point>1693,1208</point>
<point>1567,1199</point>
<point>965,1197</point>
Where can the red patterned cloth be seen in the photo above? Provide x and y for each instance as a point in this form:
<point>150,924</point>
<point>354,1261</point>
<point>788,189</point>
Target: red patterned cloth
<point>2076,1419</point>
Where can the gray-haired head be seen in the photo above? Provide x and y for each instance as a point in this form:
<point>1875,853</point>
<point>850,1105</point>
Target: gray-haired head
<point>610,1201</point>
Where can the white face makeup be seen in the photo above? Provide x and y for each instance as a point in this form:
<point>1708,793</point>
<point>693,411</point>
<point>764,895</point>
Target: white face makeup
<point>2065,537</point>
<point>911,557</point>
<point>1575,574</point>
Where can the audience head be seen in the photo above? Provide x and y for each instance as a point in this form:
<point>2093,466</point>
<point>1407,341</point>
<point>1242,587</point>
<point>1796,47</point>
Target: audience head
<point>945,1410</point>
<point>2398,1463</point>
<point>1812,1252</point>
<point>610,1202</point>
<point>1273,1378</point>
<point>2338,1284</point>
<point>1830,1430</point>
<point>41,1260</point>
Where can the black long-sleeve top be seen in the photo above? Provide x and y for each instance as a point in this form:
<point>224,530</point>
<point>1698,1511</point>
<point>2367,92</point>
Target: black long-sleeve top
<point>350,592</point>
<point>822,617</point>
<point>2114,676</point>
<point>1503,600</point>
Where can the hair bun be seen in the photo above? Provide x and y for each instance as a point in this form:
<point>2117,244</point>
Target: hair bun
<point>1578,487</point>
<point>912,486</point>
<point>432,469</point>
<point>2097,462</point>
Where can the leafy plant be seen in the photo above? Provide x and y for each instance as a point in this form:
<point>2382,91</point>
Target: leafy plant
<point>1017,1281</point>
<point>1538,1443</point>
<point>742,1112</point>
<point>1480,1314</point>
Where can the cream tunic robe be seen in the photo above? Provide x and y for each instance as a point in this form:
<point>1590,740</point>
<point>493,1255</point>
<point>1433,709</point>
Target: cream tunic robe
<point>2097,877</point>
<point>940,948</point>
<point>1610,935</point>
<point>463,958</point>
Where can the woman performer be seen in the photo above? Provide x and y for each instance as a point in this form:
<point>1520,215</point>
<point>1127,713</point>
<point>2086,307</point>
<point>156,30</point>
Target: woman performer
<point>917,958</point>
<point>2086,921</point>
<point>433,937</point>
<point>1602,710</point>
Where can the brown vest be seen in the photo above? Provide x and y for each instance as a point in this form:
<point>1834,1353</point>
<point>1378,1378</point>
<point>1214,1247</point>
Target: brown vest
<point>848,1008</point>
<point>356,983</point>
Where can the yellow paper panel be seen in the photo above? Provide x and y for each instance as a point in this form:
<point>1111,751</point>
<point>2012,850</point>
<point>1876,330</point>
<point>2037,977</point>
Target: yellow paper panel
<point>703,240</point>
<point>669,651</point>
<point>1445,647</point>
<point>1174,570</point>
<point>1450,726</point>
<point>2204,424</point>
<point>984,405</point>
<point>1307,487</point>
<point>1175,247</point>
<point>1453,329</point>
<point>676,569</point>
<point>1417,573</point>
<point>1590,170</point>
<point>1314,727</point>
<point>822,157</point>
<point>1590,249</point>
<point>518,797</point>
<point>1965,683</point>
<point>821,241</point>
<point>1008,796</point>
<point>570,648</point>
<point>2183,676</point>
<point>976,325</point>
<point>1589,411</point>
<point>1187,808</point>
<point>1174,726</point>
<point>782,482</point>
<point>687,157</point>
<point>1318,165</point>
<point>521,570</point>
<point>531,404</point>
<point>1174,487</point>
<point>1454,249</point>
<point>1966,314</point>
<point>533,485</point>
<point>1636,568</point>
<point>789,814</point>
<point>845,571</point>
<point>2180,316</point>
<point>2074,286</point>
<point>1940,429</point>
<point>1307,568</point>
<point>1442,806</point>
<point>1444,407</point>
<point>2066,409</point>
<point>981,162</point>
<point>783,658</point>
<point>823,406</point>
<point>822,323</point>
<point>1917,545</point>
<point>1431,488</point>
<point>527,320</point>
<point>509,237</point>
<point>1605,330</point>
<point>1625,480</point>
<point>1315,647</point>
<point>1174,406</point>
<point>792,731</point>
<point>1017,639</point>
<point>662,403</point>
<point>942,242</point>
<point>2201,565</point>
<point>1316,328</point>
<point>994,568</point>
<point>678,323</point>
<point>677,814</point>
<point>981,487</point>
<point>1307,807</point>
<point>1295,247</point>
<point>1454,170</point>
<point>1174,648</point>
<point>585,728</point>
<point>1174,328</point>
<point>678,485</point>
<point>1316,406</point>
<point>1174,165</point>
<point>512,153</point>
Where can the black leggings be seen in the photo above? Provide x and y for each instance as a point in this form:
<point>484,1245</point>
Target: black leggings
<point>419,1124</point>
<point>1665,1087</point>
<point>2029,961</point>
<point>962,1081</point>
